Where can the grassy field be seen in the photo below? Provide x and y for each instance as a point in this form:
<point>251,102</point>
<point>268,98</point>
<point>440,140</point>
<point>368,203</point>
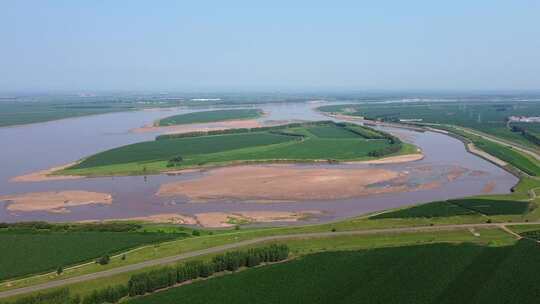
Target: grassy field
<point>439,273</point>
<point>47,108</point>
<point>460,207</point>
<point>297,142</point>
<point>209,116</point>
<point>30,252</point>
<point>488,117</point>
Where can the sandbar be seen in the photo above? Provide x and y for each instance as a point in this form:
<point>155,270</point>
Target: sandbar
<point>54,202</point>
<point>45,175</point>
<point>280,183</point>
<point>197,127</point>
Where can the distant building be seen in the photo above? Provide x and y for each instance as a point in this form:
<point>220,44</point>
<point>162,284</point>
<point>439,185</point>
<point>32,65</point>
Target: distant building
<point>524,118</point>
<point>411,120</point>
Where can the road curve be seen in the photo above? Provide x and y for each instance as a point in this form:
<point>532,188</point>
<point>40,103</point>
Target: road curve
<point>217,249</point>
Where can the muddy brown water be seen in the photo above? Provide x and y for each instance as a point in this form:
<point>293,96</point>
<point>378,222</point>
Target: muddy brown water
<point>40,146</point>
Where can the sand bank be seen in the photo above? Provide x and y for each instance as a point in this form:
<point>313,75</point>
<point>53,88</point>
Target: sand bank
<point>45,175</point>
<point>223,219</point>
<point>55,202</point>
<point>210,126</point>
<point>393,159</point>
<point>280,183</point>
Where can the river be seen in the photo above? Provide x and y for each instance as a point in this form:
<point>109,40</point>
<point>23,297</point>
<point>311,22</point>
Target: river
<point>40,146</point>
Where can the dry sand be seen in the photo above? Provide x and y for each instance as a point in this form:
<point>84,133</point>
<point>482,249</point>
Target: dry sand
<point>280,183</point>
<point>211,126</point>
<point>222,219</point>
<point>489,187</point>
<point>393,159</point>
<point>44,175</point>
<point>55,202</point>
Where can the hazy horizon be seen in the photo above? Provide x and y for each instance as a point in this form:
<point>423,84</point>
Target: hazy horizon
<point>388,46</point>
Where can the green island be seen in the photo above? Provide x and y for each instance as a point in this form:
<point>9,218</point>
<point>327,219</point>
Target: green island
<point>436,251</point>
<point>209,116</point>
<point>299,142</point>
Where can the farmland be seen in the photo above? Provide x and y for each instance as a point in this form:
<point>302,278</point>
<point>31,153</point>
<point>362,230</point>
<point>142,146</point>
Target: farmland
<point>32,251</point>
<point>295,142</point>
<point>439,273</point>
<point>459,207</point>
<point>488,117</point>
<point>209,116</point>
<point>16,112</point>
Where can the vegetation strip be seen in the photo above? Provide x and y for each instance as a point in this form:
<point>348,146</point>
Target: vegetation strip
<point>222,248</point>
<point>209,116</point>
<point>437,273</point>
<point>300,142</point>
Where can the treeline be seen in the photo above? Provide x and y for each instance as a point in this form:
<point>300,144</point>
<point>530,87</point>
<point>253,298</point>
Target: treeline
<point>143,283</point>
<point>83,227</point>
<point>385,151</point>
<point>525,133</point>
<point>243,130</point>
<point>61,296</point>
<point>153,280</point>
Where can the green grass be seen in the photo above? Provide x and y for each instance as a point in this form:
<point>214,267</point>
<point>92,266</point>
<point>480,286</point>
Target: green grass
<point>331,132</point>
<point>517,159</point>
<point>210,116</point>
<point>30,252</point>
<point>459,207</point>
<point>440,273</point>
<point>165,149</point>
<point>298,142</point>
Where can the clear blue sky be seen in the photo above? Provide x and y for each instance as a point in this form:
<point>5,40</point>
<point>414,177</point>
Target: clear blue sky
<point>186,45</point>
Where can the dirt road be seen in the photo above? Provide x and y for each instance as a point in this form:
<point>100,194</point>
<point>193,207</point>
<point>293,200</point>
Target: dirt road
<point>217,249</point>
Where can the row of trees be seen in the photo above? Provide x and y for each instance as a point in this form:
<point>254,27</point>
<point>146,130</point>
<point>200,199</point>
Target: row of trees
<point>385,151</point>
<point>243,130</point>
<point>142,283</point>
<point>83,227</point>
<point>146,282</point>
<point>61,296</point>
<point>528,135</point>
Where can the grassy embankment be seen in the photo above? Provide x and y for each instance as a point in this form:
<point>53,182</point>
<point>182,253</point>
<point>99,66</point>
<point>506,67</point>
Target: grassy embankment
<point>307,142</point>
<point>439,273</point>
<point>209,116</point>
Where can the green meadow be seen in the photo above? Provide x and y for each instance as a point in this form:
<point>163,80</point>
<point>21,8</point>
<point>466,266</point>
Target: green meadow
<point>318,141</point>
<point>33,251</point>
<point>435,273</point>
<point>209,116</point>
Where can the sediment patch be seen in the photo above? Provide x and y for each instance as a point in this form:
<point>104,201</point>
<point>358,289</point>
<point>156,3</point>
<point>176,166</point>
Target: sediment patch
<point>55,202</point>
<point>280,183</point>
<point>196,127</point>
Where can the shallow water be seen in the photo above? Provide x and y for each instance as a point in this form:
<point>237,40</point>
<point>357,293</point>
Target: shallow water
<point>41,146</point>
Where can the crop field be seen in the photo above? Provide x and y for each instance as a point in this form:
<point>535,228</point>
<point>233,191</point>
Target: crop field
<point>458,207</point>
<point>439,273</point>
<point>25,112</point>
<point>488,117</point>
<point>165,149</point>
<point>210,116</point>
<point>29,252</point>
<point>307,142</point>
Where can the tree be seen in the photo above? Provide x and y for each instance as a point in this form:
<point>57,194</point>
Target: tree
<point>59,270</point>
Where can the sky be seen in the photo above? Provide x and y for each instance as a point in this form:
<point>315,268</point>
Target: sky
<point>275,45</point>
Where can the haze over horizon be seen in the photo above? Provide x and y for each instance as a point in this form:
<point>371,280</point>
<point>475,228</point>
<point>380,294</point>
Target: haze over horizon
<point>211,45</point>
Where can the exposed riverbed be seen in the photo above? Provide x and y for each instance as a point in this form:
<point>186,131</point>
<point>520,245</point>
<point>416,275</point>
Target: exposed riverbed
<point>446,171</point>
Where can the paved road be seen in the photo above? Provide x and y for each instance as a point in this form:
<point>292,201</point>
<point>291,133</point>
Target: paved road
<point>172,259</point>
